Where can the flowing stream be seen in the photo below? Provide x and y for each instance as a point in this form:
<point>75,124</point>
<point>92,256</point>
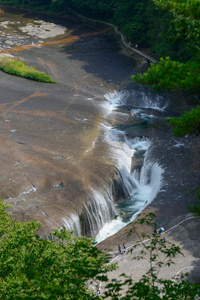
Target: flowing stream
<point>100,127</point>
<point>142,182</point>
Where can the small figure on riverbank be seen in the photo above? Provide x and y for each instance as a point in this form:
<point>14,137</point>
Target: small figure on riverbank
<point>119,249</point>
<point>160,230</point>
<point>164,240</point>
<point>98,291</point>
<point>124,248</point>
<point>61,184</point>
<point>130,44</point>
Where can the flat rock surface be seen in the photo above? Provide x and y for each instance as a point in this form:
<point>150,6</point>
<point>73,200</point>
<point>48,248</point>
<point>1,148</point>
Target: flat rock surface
<point>53,132</point>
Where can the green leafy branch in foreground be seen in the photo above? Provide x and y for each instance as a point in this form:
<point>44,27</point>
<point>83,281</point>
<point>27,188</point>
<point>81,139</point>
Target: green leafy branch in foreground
<point>171,75</point>
<point>65,267</point>
<point>18,68</point>
<point>34,268</point>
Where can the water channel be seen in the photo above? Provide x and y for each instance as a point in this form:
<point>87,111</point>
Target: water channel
<point>95,130</point>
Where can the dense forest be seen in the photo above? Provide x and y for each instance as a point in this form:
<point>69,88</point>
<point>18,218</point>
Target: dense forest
<point>139,20</point>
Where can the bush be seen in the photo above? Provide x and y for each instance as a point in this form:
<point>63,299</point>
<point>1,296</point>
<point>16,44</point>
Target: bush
<point>18,68</point>
<point>195,209</point>
<point>188,123</point>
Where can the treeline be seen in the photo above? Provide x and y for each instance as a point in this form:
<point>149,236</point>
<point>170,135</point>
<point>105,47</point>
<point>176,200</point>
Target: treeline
<point>139,20</point>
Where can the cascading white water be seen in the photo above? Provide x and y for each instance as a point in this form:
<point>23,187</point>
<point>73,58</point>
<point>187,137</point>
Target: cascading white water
<point>141,185</point>
<point>136,98</point>
<point>101,209</point>
<point>72,223</point>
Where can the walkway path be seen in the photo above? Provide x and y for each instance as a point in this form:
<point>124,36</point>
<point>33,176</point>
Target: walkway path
<point>149,58</point>
<point>136,269</point>
<point>147,240</point>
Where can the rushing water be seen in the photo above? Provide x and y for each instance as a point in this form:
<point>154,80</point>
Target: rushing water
<point>91,131</point>
<point>140,183</point>
<point>140,175</point>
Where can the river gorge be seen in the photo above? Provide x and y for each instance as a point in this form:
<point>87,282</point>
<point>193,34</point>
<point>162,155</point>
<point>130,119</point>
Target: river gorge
<point>101,135</point>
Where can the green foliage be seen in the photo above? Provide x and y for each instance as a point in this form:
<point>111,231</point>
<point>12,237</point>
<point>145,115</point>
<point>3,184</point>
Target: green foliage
<point>18,68</point>
<point>171,75</point>
<point>188,123</point>
<point>34,268</point>
<point>26,3</point>
<point>186,19</point>
<point>61,268</point>
<point>138,20</point>
<point>195,209</point>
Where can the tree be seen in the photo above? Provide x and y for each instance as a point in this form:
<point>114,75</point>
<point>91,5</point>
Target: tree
<point>62,267</point>
<point>195,209</point>
<point>186,19</point>
<point>35,268</point>
<point>173,75</point>
<point>187,123</point>
<point>168,75</point>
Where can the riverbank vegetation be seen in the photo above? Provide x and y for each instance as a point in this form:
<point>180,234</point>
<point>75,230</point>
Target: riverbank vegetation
<point>67,267</point>
<point>173,75</point>
<point>34,268</point>
<point>195,209</point>
<point>18,68</point>
<point>139,20</point>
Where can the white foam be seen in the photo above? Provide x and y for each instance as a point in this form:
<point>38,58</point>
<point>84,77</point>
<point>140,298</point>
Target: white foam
<point>109,229</point>
<point>143,185</point>
<point>72,223</point>
<point>139,99</point>
<point>29,190</point>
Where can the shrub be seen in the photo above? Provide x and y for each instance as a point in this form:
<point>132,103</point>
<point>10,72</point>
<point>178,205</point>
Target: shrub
<point>188,123</point>
<point>195,209</point>
<point>18,68</point>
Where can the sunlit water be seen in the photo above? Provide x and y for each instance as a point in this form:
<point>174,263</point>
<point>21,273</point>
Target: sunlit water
<point>142,185</point>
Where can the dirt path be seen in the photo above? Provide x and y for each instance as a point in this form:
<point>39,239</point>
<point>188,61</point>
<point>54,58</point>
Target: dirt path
<point>181,234</point>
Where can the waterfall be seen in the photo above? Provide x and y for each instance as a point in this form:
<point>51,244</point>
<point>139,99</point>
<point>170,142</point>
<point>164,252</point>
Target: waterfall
<point>141,182</point>
<point>142,186</point>
<point>139,177</point>
<point>137,98</point>
<point>98,209</point>
<point>72,223</point>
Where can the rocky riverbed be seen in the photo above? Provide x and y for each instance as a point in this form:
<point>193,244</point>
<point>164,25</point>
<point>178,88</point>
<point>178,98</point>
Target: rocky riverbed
<point>53,133</point>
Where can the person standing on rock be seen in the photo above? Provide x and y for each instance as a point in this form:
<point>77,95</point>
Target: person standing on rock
<point>160,230</point>
<point>124,247</point>
<point>61,184</point>
<point>119,249</point>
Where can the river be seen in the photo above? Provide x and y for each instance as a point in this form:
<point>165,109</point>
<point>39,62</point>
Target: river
<point>104,137</point>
